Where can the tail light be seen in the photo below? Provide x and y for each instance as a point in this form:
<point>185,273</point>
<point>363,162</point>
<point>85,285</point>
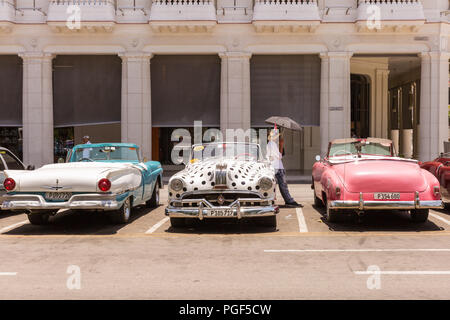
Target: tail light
<point>338,192</point>
<point>9,184</point>
<point>104,185</point>
<point>436,191</point>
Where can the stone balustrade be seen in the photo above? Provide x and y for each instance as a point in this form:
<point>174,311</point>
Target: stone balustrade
<point>203,15</point>
<point>183,15</point>
<point>94,15</point>
<point>285,15</point>
<point>7,15</point>
<point>390,15</point>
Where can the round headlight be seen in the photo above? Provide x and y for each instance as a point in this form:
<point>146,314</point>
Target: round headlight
<point>265,183</point>
<point>176,184</point>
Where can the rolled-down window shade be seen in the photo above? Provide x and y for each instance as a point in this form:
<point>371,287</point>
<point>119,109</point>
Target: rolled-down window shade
<point>86,90</point>
<point>185,89</point>
<point>288,86</point>
<point>11,76</point>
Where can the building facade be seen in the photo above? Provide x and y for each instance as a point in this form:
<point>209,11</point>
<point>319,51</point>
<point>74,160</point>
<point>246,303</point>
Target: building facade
<point>133,70</point>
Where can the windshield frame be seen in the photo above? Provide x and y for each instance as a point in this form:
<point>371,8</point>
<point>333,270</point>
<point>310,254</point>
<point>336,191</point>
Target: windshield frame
<point>358,152</point>
<point>80,148</point>
<point>192,152</point>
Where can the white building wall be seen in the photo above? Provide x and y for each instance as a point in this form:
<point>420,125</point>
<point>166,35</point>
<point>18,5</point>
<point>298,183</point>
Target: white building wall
<point>334,97</point>
<point>37,108</point>
<point>136,113</point>
<point>336,36</point>
<point>433,128</point>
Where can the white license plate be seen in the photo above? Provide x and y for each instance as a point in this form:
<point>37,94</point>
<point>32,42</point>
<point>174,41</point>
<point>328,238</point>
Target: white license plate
<point>386,196</point>
<point>62,196</point>
<point>220,212</point>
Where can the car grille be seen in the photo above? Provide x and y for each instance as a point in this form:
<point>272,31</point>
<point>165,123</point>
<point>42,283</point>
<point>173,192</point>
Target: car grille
<point>220,176</point>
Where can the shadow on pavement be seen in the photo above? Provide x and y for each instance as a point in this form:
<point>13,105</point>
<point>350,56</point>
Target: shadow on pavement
<point>222,226</point>
<point>6,213</point>
<point>78,222</point>
<point>378,221</point>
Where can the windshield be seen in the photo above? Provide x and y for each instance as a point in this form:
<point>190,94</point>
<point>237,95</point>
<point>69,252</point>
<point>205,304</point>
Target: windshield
<point>363,147</point>
<point>241,151</point>
<point>11,162</point>
<point>105,153</point>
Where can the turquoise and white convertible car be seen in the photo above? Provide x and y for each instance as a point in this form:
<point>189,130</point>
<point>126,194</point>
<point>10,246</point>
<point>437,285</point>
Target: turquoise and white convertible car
<point>105,176</point>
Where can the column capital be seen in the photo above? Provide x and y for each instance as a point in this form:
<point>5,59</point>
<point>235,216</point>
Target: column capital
<point>235,55</point>
<point>27,56</point>
<point>136,55</point>
<point>336,55</point>
<point>435,55</point>
<point>382,71</point>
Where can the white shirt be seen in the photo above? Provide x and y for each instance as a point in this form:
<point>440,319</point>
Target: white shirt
<point>274,155</point>
<point>87,151</point>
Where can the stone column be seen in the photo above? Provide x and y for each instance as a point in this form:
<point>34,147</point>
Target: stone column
<point>433,127</point>
<point>37,108</point>
<point>136,116</point>
<point>235,91</point>
<point>381,106</point>
<point>334,98</point>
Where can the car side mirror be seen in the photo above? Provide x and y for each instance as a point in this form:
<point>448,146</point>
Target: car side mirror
<point>318,158</point>
<point>30,167</point>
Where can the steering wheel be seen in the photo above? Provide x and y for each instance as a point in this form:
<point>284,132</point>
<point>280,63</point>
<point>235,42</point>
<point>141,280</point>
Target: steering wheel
<point>244,154</point>
<point>343,152</point>
<point>86,159</point>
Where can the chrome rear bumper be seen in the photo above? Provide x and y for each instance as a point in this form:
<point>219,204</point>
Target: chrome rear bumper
<point>386,205</point>
<point>204,208</point>
<point>82,201</point>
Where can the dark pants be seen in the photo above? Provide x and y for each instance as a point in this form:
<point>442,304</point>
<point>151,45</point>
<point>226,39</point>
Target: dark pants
<point>280,175</point>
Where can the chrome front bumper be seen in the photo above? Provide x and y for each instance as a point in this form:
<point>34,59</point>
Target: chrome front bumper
<point>386,205</point>
<point>204,207</point>
<point>82,201</point>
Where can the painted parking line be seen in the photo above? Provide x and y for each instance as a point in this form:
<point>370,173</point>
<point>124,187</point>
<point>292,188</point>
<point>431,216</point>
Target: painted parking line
<point>439,218</point>
<point>358,250</point>
<point>156,226</point>
<point>8,273</point>
<point>301,220</point>
<point>404,272</point>
<point>8,228</point>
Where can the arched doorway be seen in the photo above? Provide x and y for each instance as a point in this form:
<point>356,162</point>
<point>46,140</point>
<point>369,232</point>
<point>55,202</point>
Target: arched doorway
<point>360,106</point>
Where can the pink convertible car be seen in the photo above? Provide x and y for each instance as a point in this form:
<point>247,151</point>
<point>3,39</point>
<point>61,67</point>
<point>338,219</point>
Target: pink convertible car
<point>365,174</point>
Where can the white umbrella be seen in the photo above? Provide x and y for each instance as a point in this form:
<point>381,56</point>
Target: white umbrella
<point>284,122</point>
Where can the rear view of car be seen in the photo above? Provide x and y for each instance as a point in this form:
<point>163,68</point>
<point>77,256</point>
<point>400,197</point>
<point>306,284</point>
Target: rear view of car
<point>365,174</point>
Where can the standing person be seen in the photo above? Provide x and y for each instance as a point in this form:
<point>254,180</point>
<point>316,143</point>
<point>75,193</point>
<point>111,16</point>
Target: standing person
<point>86,151</point>
<point>275,148</point>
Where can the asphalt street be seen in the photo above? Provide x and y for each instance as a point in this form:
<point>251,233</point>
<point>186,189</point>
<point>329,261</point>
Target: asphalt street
<point>81,255</point>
